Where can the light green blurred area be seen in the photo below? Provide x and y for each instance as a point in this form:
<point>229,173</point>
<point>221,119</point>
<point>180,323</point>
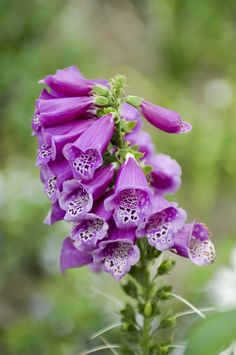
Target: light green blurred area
<point>177,53</point>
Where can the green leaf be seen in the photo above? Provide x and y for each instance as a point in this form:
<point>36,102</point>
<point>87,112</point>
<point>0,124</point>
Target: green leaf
<point>211,335</point>
<point>130,289</point>
<point>128,126</point>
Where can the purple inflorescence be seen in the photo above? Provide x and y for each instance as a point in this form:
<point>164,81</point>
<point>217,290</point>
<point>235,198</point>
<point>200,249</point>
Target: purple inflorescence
<point>101,173</point>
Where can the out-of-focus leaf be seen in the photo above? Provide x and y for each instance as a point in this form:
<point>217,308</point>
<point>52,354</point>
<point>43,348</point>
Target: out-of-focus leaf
<point>213,334</point>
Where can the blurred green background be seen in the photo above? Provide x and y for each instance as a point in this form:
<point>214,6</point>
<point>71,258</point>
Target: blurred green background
<point>177,53</point>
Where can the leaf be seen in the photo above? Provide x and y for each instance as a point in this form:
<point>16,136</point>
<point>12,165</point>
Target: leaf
<point>211,335</point>
<point>130,289</point>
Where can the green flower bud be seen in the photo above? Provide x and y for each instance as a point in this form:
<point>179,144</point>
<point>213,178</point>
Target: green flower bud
<point>133,100</point>
<point>101,101</point>
<point>148,309</point>
<point>165,267</point>
<point>168,322</point>
<point>100,90</point>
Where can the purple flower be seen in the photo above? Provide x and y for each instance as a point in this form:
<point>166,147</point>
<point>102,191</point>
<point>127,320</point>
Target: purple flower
<point>164,118</point>
<point>52,140</point>
<point>166,174</point>
<point>55,214</point>
<point>118,253</point>
<point>72,257</point>
<point>56,111</point>
<point>132,198</point>
<point>193,242</point>
<point>70,82</point>
<point>53,176</point>
<point>88,232</point>
<point>162,225</point>
<point>130,113</point>
<point>85,154</point>
<point>144,142</point>
<point>77,197</point>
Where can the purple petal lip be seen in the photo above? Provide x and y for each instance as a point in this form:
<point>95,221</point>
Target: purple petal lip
<point>62,110</point>
<point>85,154</point>
<point>75,200</point>
<point>163,118</point>
<point>118,253</point>
<point>71,257</point>
<point>162,225</point>
<point>88,232</point>
<point>70,82</point>
<point>52,144</point>
<point>192,241</point>
<point>132,198</point>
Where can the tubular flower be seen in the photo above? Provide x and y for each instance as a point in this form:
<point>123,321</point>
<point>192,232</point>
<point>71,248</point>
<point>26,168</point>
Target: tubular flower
<point>163,118</point>
<point>132,198</point>
<point>85,154</point>
<point>193,242</point>
<point>100,171</point>
<point>165,174</point>
<point>77,197</point>
<point>70,82</point>
<point>162,225</point>
<point>118,253</point>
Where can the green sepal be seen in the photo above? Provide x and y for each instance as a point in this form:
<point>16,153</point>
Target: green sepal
<point>128,126</point>
<point>101,101</point>
<point>100,90</point>
<point>167,322</point>
<point>147,169</point>
<point>163,293</point>
<point>165,267</point>
<point>133,100</point>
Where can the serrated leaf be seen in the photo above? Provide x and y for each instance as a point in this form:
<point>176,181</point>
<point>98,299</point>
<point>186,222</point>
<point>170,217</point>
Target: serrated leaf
<point>212,335</point>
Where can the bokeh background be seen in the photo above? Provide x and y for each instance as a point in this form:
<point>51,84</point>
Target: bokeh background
<point>177,53</point>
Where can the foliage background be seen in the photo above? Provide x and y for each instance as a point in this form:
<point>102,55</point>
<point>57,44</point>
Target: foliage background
<point>180,54</point>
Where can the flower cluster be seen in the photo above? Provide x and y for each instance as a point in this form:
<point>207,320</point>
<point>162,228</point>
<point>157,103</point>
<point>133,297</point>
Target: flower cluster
<point>102,174</point>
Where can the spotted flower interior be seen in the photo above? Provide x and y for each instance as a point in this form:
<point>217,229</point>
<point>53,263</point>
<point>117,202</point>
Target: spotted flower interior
<point>101,172</point>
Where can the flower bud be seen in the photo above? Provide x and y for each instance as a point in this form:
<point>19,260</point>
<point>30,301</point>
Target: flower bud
<point>101,101</point>
<point>101,90</point>
<point>148,309</point>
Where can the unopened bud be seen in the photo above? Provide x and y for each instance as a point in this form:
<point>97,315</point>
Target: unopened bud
<point>101,101</point>
<point>148,309</point>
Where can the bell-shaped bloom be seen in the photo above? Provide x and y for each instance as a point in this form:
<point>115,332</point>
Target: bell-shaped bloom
<point>165,175</point>
<point>52,140</point>
<point>77,197</point>
<point>70,82</point>
<point>193,242</point>
<point>161,226</point>
<point>132,198</point>
<point>56,111</point>
<point>55,214</point>
<point>85,154</point>
<point>163,118</point>
<point>144,142</point>
<point>130,113</point>
<point>71,257</point>
<point>88,232</point>
<point>53,176</point>
<point>117,253</point>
